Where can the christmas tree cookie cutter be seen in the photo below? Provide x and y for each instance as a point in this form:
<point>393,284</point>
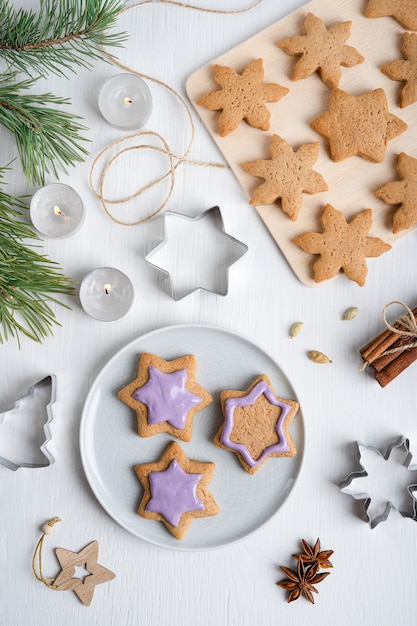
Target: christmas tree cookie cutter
<point>185,255</point>
<point>49,459</point>
<point>346,485</point>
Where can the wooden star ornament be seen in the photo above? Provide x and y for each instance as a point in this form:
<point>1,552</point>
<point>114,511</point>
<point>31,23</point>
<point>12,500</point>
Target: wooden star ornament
<point>66,581</point>
<point>358,125</point>
<point>342,245</point>
<point>287,174</point>
<point>405,70</point>
<point>242,97</point>
<point>321,50</point>
<point>404,11</point>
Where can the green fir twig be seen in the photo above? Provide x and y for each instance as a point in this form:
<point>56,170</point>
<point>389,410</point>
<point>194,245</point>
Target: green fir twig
<point>47,139</point>
<point>63,34</point>
<point>29,282</point>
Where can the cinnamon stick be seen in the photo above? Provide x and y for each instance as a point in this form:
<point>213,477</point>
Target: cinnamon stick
<point>398,365</point>
<point>386,340</point>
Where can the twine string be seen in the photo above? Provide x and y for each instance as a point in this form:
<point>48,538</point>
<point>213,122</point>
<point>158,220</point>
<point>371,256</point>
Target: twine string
<point>407,328</point>
<point>37,567</point>
<point>174,160</point>
<point>185,5</point>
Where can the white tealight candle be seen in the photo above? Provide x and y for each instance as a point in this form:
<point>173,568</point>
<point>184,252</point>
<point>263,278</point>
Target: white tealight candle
<point>106,294</point>
<point>125,101</point>
<point>56,210</point>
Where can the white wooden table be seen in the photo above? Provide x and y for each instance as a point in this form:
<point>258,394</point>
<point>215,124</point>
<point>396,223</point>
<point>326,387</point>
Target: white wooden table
<point>374,574</point>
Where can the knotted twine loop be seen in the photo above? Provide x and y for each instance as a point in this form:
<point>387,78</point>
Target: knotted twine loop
<point>46,530</point>
<point>174,160</point>
<point>407,328</point>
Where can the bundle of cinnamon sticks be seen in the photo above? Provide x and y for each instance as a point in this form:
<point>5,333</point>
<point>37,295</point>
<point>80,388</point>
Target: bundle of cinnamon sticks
<point>379,354</point>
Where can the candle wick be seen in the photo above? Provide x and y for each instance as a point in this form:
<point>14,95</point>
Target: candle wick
<point>107,289</point>
<point>128,101</point>
<point>58,211</point>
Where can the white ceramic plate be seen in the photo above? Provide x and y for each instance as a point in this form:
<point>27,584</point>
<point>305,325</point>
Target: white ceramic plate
<point>111,447</point>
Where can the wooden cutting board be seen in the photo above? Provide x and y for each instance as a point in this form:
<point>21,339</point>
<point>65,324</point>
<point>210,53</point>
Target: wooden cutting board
<point>351,182</point>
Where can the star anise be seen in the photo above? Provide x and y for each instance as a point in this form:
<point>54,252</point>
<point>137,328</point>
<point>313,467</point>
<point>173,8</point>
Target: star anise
<point>312,555</point>
<point>302,581</point>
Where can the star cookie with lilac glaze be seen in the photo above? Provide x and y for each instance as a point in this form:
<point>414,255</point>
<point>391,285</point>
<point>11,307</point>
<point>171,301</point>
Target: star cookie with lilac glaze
<point>287,174</point>
<point>242,97</point>
<point>404,11</point>
<point>321,50</point>
<point>165,396</point>
<point>405,70</point>
<point>342,245</point>
<point>403,193</point>
<point>358,125</point>
<point>256,423</point>
<point>176,490</point>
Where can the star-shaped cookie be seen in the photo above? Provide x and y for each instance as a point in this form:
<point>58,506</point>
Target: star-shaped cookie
<point>242,97</point>
<point>405,70</point>
<point>287,174</point>
<point>358,125</point>
<point>321,50</point>
<point>402,192</point>
<point>404,11</point>
<point>342,245</point>
<point>165,396</point>
<point>66,581</point>
<point>176,490</point>
<point>256,424</point>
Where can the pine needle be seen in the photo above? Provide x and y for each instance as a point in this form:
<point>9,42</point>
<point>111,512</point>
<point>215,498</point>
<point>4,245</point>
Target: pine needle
<point>63,34</point>
<point>29,281</point>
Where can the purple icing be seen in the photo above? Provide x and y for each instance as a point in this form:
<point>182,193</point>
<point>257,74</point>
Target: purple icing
<point>174,492</point>
<point>167,398</point>
<point>248,400</point>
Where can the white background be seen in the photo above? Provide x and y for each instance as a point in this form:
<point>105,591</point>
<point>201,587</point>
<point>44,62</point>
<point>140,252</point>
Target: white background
<point>374,576</point>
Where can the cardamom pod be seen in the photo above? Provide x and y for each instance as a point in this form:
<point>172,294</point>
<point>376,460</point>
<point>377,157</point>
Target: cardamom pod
<point>296,329</point>
<point>350,313</point>
<point>318,357</point>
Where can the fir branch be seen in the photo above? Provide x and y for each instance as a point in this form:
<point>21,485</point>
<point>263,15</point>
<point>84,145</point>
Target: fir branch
<point>29,282</point>
<point>64,33</point>
<point>47,139</point>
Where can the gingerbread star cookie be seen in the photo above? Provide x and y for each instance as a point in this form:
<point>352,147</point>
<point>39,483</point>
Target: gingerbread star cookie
<point>287,174</point>
<point>165,396</point>
<point>402,192</point>
<point>242,97</point>
<point>176,490</point>
<point>321,50</point>
<point>342,245</point>
<point>404,11</point>
<point>358,125</point>
<point>405,70</point>
<point>256,424</point>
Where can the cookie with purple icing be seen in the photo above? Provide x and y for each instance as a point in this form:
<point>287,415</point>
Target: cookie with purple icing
<point>165,396</point>
<point>256,423</point>
<point>176,490</point>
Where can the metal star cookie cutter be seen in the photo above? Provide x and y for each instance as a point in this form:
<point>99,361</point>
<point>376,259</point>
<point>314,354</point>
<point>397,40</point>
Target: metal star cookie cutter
<point>195,272</point>
<point>47,434</point>
<point>344,485</point>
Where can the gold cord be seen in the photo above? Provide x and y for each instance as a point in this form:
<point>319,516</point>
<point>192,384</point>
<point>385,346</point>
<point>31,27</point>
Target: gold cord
<point>49,582</point>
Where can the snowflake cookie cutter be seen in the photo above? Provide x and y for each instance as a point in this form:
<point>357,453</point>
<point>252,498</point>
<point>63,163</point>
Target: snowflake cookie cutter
<point>411,488</point>
<point>218,281</point>
<point>8,463</point>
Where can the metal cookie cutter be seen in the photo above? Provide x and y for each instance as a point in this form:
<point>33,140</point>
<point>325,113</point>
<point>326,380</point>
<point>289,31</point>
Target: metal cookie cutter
<point>375,519</point>
<point>51,380</point>
<point>199,256</point>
